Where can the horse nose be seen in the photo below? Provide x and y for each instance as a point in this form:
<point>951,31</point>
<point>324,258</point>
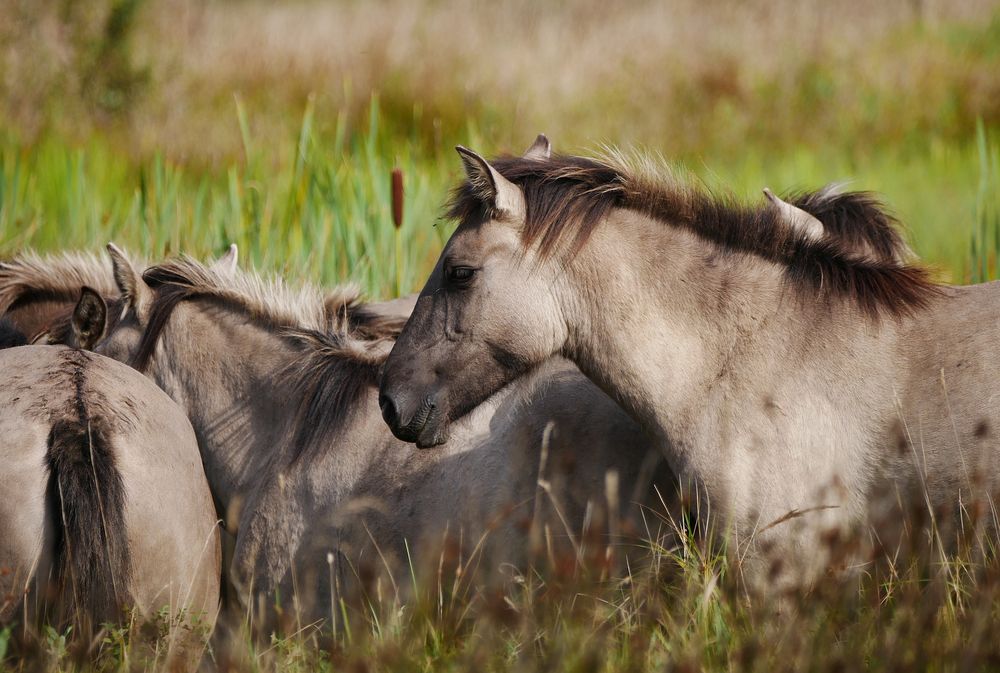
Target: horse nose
<point>390,414</point>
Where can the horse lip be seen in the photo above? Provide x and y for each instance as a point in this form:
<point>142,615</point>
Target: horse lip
<point>412,430</point>
<point>432,433</point>
<point>423,414</point>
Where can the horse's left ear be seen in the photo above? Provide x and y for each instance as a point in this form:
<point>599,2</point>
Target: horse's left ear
<point>90,319</point>
<point>132,287</point>
<point>490,186</point>
<point>540,150</point>
<point>796,218</point>
<point>226,264</point>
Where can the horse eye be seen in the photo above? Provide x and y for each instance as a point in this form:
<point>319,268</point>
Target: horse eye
<point>460,274</point>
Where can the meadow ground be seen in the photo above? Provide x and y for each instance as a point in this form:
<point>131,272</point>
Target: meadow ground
<point>180,127</point>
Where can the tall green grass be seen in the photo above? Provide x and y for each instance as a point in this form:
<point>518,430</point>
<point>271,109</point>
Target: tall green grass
<point>319,205</point>
<point>986,237</point>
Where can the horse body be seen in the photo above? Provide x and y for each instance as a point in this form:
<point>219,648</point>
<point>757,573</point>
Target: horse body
<point>105,503</point>
<point>775,404</point>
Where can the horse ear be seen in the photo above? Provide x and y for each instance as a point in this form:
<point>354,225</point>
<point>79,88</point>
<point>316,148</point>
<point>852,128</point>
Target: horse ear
<point>226,264</point>
<point>796,218</point>
<point>492,187</point>
<point>540,150</point>
<point>90,318</point>
<point>132,287</point>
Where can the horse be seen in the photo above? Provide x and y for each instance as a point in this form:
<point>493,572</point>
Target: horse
<point>105,512</point>
<point>39,291</point>
<point>36,290</point>
<point>799,383</point>
<point>281,387</point>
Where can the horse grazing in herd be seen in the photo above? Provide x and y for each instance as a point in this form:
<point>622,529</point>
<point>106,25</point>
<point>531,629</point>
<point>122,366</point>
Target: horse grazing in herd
<point>800,381</point>
<point>105,505</point>
<point>281,388</point>
<point>789,360</point>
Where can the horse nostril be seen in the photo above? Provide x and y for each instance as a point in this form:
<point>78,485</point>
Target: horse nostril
<point>389,413</point>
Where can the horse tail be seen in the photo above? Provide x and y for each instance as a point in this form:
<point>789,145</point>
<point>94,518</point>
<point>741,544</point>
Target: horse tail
<point>86,501</point>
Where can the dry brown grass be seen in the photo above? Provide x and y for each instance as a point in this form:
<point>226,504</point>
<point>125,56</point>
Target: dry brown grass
<point>683,75</point>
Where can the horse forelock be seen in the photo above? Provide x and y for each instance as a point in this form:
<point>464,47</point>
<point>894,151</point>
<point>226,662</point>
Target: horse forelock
<point>861,257</point>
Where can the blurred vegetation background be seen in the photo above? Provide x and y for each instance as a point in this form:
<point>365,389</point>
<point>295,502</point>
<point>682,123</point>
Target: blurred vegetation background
<point>180,125</point>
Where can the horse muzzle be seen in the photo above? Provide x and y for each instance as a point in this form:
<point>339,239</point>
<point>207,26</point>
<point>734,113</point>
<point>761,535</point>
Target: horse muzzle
<point>423,427</point>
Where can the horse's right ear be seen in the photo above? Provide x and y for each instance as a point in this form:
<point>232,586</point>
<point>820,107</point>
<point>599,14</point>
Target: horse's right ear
<point>134,290</point>
<point>804,223</point>
<point>540,150</point>
<point>90,319</point>
<point>493,188</point>
<point>226,264</point>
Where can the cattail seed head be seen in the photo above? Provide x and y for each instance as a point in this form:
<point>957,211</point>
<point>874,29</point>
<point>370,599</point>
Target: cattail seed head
<point>397,197</point>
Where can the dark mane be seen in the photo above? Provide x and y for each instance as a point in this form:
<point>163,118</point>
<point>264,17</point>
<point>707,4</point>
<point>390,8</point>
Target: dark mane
<point>342,340</point>
<point>859,258</point>
<point>329,383</point>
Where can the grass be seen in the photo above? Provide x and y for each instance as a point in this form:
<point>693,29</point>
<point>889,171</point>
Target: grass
<point>683,608</point>
<point>325,214</point>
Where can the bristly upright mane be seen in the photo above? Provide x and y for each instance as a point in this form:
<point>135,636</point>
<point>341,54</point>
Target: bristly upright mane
<point>58,276</point>
<point>343,341</point>
<point>270,300</point>
<point>859,257</point>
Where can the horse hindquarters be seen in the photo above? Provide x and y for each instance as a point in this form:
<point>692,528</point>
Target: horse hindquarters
<point>23,547</point>
<point>63,548</point>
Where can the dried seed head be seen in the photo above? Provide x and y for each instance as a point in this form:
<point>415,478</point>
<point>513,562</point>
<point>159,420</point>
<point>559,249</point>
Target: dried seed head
<point>397,197</point>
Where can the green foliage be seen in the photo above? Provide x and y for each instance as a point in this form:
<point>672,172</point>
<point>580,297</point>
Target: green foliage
<point>986,238</point>
<point>324,214</point>
<point>5,641</point>
<point>319,206</point>
<point>111,80</point>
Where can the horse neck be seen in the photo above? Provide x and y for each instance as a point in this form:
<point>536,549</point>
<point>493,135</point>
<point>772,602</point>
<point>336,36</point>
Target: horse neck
<point>682,334</point>
<point>224,371</point>
<point>230,375</point>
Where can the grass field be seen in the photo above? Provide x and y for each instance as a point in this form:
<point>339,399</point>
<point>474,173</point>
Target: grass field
<point>180,127</point>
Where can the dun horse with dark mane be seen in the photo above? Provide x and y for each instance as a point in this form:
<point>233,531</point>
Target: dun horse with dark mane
<point>795,374</point>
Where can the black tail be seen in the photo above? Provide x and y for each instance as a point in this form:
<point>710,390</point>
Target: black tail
<point>86,499</point>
